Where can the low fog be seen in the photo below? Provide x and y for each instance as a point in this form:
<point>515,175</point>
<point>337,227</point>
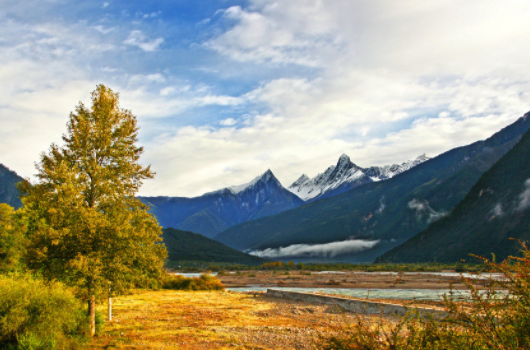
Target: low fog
<point>326,250</point>
<point>422,208</point>
<point>525,197</point>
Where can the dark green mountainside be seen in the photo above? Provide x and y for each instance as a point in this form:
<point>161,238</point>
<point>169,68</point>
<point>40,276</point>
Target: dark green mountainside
<point>8,187</point>
<point>496,209</point>
<point>391,211</point>
<point>189,246</point>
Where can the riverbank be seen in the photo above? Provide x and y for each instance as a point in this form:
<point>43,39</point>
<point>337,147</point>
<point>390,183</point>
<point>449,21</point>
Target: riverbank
<point>351,280</point>
<point>217,320</point>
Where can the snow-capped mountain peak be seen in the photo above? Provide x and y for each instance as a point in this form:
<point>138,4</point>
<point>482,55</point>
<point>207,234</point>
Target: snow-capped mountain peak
<point>301,180</point>
<point>344,159</point>
<point>266,177</point>
<point>345,175</point>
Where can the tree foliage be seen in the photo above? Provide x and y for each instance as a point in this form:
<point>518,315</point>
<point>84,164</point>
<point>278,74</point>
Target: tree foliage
<point>11,240</point>
<point>84,224</point>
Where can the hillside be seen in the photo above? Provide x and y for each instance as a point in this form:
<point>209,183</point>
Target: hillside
<point>390,211</point>
<point>189,246</point>
<point>496,209</point>
<point>8,187</point>
<point>216,211</point>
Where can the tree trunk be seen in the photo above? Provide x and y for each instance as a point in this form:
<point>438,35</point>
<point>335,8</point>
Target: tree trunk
<point>92,314</point>
<point>110,308</point>
<point>110,302</point>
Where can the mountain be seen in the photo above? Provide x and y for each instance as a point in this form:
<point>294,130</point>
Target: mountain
<point>345,176</point>
<point>496,209</point>
<point>216,211</point>
<point>390,211</point>
<point>8,187</point>
<point>188,246</point>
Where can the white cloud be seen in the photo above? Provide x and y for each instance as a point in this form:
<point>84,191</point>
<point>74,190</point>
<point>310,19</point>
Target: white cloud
<point>382,81</point>
<point>228,122</point>
<point>102,29</point>
<point>422,208</point>
<point>524,197</point>
<point>137,38</point>
<point>327,250</point>
<point>497,211</point>
<point>203,22</point>
<point>147,78</point>
<point>269,33</point>
<point>105,4</point>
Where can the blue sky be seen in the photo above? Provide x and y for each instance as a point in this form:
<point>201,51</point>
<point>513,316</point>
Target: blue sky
<point>225,90</point>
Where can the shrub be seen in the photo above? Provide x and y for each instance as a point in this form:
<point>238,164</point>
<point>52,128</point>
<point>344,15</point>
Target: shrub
<point>497,317</point>
<point>38,315</point>
<point>205,282</point>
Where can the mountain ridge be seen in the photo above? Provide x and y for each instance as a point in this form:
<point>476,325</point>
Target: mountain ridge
<point>495,210</point>
<point>215,211</point>
<point>391,211</point>
<point>8,190</point>
<point>185,246</point>
<point>344,176</point>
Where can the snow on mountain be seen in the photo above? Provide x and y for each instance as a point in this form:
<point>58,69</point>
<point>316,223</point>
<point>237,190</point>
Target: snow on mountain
<point>379,173</point>
<point>346,175</point>
<point>265,177</point>
<point>215,211</point>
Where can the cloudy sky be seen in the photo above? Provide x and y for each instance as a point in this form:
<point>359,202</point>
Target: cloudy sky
<point>225,90</point>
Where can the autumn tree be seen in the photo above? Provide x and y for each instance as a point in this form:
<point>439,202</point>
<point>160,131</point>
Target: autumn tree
<point>11,240</point>
<point>84,224</point>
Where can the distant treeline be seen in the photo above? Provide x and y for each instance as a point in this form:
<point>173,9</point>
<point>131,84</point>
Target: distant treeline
<point>197,266</point>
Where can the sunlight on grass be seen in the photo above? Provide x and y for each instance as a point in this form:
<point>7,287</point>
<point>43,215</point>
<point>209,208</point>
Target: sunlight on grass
<point>212,320</point>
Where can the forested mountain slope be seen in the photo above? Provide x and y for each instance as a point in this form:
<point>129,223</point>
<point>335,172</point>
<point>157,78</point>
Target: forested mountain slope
<point>391,211</point>
<point>8,187</point>
<point>496,209</point>
<point>188,246</point>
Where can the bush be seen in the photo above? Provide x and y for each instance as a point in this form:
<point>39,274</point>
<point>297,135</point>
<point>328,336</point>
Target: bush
<point>205,282</point>
<point>36,315</point>
<point>497,317</point>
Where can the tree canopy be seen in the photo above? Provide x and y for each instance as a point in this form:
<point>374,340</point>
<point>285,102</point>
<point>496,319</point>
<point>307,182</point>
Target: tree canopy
<point>11,240</point>
<point>84,224</point>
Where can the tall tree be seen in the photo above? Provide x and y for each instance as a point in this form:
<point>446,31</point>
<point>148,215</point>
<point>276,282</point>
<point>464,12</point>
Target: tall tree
<point>84,224</point>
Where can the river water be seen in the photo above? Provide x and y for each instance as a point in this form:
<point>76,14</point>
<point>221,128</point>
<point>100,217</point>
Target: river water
<point>405,294</point>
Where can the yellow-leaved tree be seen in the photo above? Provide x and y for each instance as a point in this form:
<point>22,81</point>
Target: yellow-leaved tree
<point>11,240</point>
<point>84,224</point>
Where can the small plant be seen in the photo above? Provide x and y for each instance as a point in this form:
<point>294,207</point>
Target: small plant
<point>205,282</point>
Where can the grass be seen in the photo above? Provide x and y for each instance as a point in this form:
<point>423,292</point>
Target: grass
<point>170,319</point>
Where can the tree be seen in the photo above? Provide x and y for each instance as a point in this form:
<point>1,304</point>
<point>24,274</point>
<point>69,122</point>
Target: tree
<point>11,240</point>
<point>84,224</point>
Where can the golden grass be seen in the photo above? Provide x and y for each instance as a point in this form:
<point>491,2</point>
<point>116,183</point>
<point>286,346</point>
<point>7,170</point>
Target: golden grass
<point>214,320</point>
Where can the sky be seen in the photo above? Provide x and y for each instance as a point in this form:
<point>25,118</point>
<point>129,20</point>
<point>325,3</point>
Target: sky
<point>224,90</point>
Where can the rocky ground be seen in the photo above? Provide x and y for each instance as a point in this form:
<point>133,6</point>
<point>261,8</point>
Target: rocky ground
<point>364,280</point>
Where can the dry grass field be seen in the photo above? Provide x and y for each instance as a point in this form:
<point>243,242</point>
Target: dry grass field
<point>215,320</point>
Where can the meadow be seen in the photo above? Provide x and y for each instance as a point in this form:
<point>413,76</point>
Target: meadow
<point>169,319</point>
